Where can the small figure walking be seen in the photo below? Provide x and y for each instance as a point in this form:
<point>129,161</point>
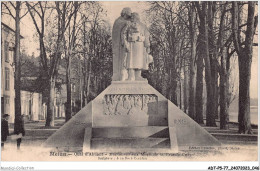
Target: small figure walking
<point>4,129</point>
<point>19,130</point>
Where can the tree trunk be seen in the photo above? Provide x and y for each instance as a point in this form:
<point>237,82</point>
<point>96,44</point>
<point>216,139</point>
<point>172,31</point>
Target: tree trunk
<point>71,46</point>
<point>245,60</point>
<point>210,111</point>
<point>173,91</point>
<point>229,94</point>
<point>50,104</point>
<point>17,66</point>
<point>199,91</point>
<point>199,81</point>
<point>84,86</point>
<point>80,84</point>
<point>214,80</point>
<point>68,104</point>
<point>168,87</point>
<point>180,95</point>
<point>212,57</point>
<point>210,116</point>
<point>84,66</point>
<point>223,93</point>
<point>185,89</point>
<point>88,82</point>
<point>216,87</point>
<point>204,51</point>
<point>192,81</point>
<point>84,98</point>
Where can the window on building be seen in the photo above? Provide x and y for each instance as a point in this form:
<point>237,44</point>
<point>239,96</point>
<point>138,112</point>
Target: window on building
<point>7,100</point>
<point>7,79</point>
<point>6,105</point>
<point>2,105</point>
<point>6,51</point>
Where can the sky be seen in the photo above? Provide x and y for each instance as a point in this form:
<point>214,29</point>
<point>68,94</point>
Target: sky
<point>114,9</point>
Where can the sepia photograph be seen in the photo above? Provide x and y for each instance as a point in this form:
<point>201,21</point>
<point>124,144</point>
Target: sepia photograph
<point>129,81</point>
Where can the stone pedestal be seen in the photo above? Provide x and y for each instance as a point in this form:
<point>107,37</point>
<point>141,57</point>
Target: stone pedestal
<point>130,115</point>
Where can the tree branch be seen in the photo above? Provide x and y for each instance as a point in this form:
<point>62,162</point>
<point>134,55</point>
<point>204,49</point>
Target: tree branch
<point>10,13</point>
<point>12,4</point>
<point>34,21</point>
<point>231,53</point>
<point>24,14</point>
<point>33,7</point>
<point>235,26</point>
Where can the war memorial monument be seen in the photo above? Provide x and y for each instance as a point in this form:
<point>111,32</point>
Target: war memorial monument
<point>130,114</point>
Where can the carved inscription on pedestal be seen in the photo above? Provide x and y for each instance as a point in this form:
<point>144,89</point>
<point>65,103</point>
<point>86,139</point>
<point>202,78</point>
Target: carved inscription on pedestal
<point>129,104</point>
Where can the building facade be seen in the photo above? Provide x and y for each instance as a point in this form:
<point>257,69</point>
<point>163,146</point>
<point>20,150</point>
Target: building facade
<point>7,71</point>
<point>31,106</point>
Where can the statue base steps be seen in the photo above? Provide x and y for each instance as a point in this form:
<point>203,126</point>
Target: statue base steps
<point>128,143</point>
<point>128,137</point>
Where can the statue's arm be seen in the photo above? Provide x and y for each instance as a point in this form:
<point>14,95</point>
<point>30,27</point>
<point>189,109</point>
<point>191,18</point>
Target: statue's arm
<point>124,38</point>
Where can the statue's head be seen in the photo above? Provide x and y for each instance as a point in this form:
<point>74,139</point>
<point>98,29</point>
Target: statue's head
<point>135,17</point>
<point>126,13</point>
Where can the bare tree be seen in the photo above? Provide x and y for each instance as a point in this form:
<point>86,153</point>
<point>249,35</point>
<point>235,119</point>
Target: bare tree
<point>244,51</point>
<point>50,63</point>
<point>223,44</point>
<point>93,49</point>
<point>69,53</point>
<point>203,39</point>
<point>14,10</point>
<point>169,46</point>
<point>37,12</point>
<point>192,83</point>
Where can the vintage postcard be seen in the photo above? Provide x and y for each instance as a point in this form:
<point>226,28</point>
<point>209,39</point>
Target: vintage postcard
<point>138,81</point>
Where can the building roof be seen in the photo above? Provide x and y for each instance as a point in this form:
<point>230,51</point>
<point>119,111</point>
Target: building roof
<point>9,28</point>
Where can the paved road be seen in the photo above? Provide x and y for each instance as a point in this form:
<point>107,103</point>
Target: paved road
<point>36,133</point>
